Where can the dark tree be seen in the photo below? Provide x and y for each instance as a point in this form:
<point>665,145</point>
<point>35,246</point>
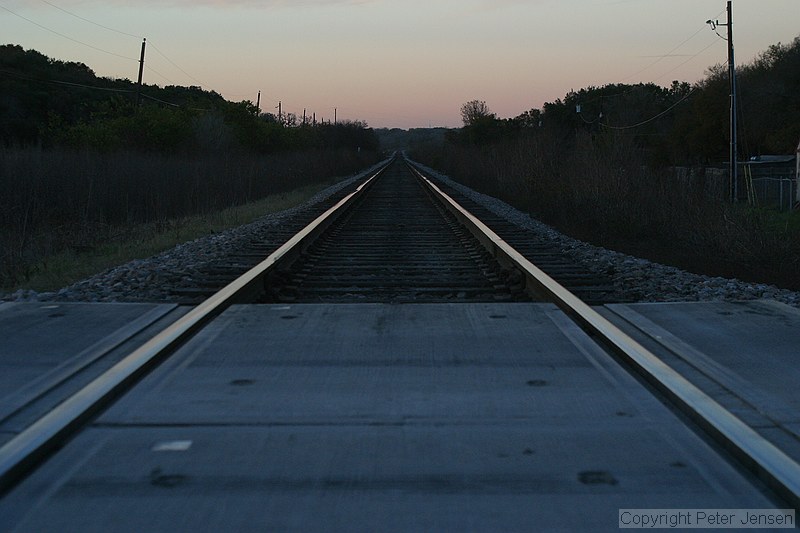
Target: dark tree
<point>474,111</point>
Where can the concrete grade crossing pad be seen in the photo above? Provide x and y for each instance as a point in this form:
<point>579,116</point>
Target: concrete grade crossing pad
<point>50,350</point>
<point>434,417</point>
<point>746,355</point>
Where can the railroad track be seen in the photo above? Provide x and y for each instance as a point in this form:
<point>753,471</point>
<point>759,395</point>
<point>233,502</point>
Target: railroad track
<point>342,256</point>
<point>397,243</point>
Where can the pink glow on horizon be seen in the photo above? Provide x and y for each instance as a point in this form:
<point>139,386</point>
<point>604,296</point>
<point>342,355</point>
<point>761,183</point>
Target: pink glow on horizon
<point>391,63</point>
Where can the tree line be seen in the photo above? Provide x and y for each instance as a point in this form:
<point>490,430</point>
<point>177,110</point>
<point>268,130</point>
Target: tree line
<point>630,166</point>
<point>83,165</point>
<point>682,124</point>
<point>52,103</point>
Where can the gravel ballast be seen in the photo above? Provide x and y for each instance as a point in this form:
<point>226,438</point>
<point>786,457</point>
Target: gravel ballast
<point>635,279</point>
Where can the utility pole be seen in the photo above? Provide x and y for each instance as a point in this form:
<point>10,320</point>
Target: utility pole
<point>314,118</point>
<point>304,116</point>
<point>733,164</point>
<point>280,115</point>
<point>334,115</point>
<point>258,104</point>
<point>141,72</point>
<point>732,74</point>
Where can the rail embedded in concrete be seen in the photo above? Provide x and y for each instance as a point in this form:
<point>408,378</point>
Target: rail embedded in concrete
<point>767,461</point>
<point>32,444</point>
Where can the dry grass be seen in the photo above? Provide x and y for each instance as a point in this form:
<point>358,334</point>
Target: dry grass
<point>599,189</point>
<point>145,240</point>
<point>62,207</point>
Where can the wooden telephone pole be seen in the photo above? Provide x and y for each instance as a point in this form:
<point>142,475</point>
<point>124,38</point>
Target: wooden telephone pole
<point>732,161</point>
<point>732,74</point>
<point>141,71</point>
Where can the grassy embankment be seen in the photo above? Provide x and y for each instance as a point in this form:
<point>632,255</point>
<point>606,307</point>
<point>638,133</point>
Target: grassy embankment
<point>66,215</point>
<point>145,240</point>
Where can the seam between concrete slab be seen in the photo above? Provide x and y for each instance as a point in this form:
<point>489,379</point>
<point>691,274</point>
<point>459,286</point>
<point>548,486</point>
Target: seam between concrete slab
<point>770,406</point>
<point>30,392</point>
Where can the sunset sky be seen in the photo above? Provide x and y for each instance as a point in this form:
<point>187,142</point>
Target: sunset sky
<point>393,63</point>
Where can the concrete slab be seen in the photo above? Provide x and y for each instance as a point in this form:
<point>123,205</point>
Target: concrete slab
<point>746,350</point>
<point>50,349</point>
<point>437,417</point>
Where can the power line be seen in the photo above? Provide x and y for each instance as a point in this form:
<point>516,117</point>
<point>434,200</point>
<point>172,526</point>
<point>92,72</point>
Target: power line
<point>65,36</point>
<point>157,73</point>
<point>93,87</point>
<point>176,65</point>
<point>673,106</point>
<point>162,54</point>
<point>641,84</point>
<point>159,101</point>
<point>91,21</point>
<point>668,54</point>
<point>660,58</point>
<point>109,89</point>
<point>588,121</point>
<point>67,83</point>
<point>682,64</point>
<point>635,87</point>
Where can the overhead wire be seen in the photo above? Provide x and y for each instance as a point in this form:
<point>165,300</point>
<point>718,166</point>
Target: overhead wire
<point>660,58</point>
<point>157,73</point>
<point>175,64</point>
<point>588,121</point>
<point>115,30</point>
<point>651,119</point>
<point>91,21</point>
<point>661,114</point>
<point>92,87</point>
<point>159,100</point>
<point>67,83</point>
<point>108,89</point>
<point>66,36</point>
<point>692,57</point>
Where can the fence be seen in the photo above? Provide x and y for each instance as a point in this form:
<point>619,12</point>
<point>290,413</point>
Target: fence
<point>777,192</point>
<point>775,187</point>
<point>771,186</point>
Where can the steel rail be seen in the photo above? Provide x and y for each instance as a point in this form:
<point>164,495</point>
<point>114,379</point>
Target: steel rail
<point>770,464</point>
<point>32,444</point>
